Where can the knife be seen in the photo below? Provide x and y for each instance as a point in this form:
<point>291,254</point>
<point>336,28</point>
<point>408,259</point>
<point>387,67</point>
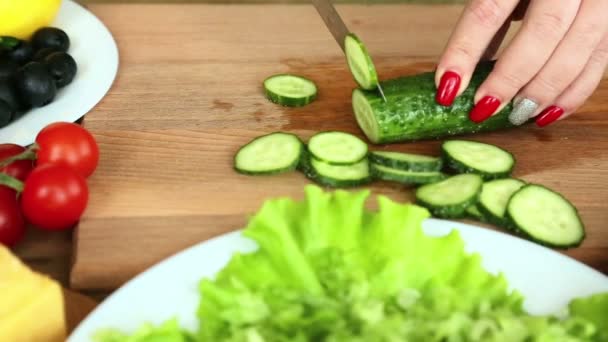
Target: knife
<point>336,26</point>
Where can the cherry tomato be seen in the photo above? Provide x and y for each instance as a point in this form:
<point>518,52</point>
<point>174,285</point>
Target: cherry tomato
<point>12,226</point>
<point>19,169</point>
<point>54,197</point>
<point>70,144</point>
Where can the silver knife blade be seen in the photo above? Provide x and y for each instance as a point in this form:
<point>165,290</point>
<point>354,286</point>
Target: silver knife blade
<point>332,20</point>
<point>336,26</point>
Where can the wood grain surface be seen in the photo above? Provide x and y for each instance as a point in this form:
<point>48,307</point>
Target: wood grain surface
<point>188,94</point>
<point>77,307</point>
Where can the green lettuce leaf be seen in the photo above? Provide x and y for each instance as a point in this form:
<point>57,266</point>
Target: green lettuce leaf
<point>327,269</point>
<point>169,331</point>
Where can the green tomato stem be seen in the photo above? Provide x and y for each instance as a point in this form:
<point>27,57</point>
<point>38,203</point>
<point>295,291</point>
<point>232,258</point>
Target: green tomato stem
<point>11,182</point>
<point>29,154</point>
<point>8,42</point>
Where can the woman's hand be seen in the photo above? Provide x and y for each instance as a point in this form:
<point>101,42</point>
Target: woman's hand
<point>552,65</point>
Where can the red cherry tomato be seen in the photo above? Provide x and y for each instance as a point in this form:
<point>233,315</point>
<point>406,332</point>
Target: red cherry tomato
<point>19,169</point>
<point>69,144</point>
<point>54,197</point>
<point>12,227</point>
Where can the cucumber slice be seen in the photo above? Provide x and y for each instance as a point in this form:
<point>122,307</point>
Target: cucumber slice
<point>406,161</point>
<point>406,177</point>
<point>451,197</point>
<point>290,90</point>
<point>339,176</point>
<point>474,213</point>
<point>337,148</point>
<point>489,161</point>
<point>494,198</point>
<point>269,154</point>
<point>546,217</point>
<point>360,62</point>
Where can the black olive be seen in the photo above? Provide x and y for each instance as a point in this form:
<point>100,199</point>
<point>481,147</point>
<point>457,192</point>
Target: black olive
<point>35,85</point>
<point>41,54</point>
<point>9,94</point>
<point>51,37</point>
<point>6,113</point>
<point>7,69</point>
<point>62,67</point>
<point>22,53</point>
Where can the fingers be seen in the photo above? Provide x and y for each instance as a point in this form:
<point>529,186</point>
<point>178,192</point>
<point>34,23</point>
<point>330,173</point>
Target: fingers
<point>479,23</point>
<point>520,10</point>
<point>572,55</point>
<point>543,27</point>
<point>496,41</point>
<point>579,91</point>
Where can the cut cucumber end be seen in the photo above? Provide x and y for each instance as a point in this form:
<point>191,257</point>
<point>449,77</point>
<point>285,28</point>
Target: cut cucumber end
<point>495,196</point>
<point>339,176</point>
<point>451,197</point>
<point>546,217</point>
<point>337,148</point>
<point>290,90</point>
<point>489,161</point>
<point>405,177</point>
<point>365,116</point>
<point>406,161</point>
<point>269,154</point>
<point>360,62</point>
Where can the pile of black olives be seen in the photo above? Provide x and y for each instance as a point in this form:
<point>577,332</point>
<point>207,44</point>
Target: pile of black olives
<point>32,71</point>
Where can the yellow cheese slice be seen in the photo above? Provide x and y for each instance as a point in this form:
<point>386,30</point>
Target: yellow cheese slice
<point>31,304</point>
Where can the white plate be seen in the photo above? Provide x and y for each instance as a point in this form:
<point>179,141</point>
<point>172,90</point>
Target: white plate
<point>547,279</point>
<point>96,54</point>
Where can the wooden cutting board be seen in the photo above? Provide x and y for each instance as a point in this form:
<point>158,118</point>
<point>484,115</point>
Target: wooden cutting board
<point>189,94</point>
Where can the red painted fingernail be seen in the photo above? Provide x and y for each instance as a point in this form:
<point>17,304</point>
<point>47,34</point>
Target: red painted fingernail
<point>448,88</point>
<point>549,115</point>
<point>484,109</point>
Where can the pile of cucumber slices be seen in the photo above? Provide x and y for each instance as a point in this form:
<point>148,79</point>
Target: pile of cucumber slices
<point>470,180</point>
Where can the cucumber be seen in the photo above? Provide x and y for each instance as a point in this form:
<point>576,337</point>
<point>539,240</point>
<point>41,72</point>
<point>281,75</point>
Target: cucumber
<point>339,176</point>
<point>290,90</point>
<point>337,148</point>
<point>451,197</point>
<point>489,161</point>
<point>406,161</point>
<point>411,113</point>
<point>360,63</point>
<point>406,177</point>
<point>269,154</point>
<point>494,197</point>
<point>474,213</point>
<point>545,216</point>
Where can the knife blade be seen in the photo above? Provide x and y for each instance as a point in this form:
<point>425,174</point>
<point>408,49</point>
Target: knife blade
<point>336,26</point>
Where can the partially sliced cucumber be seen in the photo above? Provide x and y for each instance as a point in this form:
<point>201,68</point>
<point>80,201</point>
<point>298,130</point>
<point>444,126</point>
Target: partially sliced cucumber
<point>494,198</point>
<point>290,90</point>
<point>451,197</point>
<point>360,62</point>
<point>545,216</point>
<point>489,161</point>
<point>337,148</point>
<point>405,161</point>
<point>340,176</point>
<point>269,154</point>
<point>406,177</point>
